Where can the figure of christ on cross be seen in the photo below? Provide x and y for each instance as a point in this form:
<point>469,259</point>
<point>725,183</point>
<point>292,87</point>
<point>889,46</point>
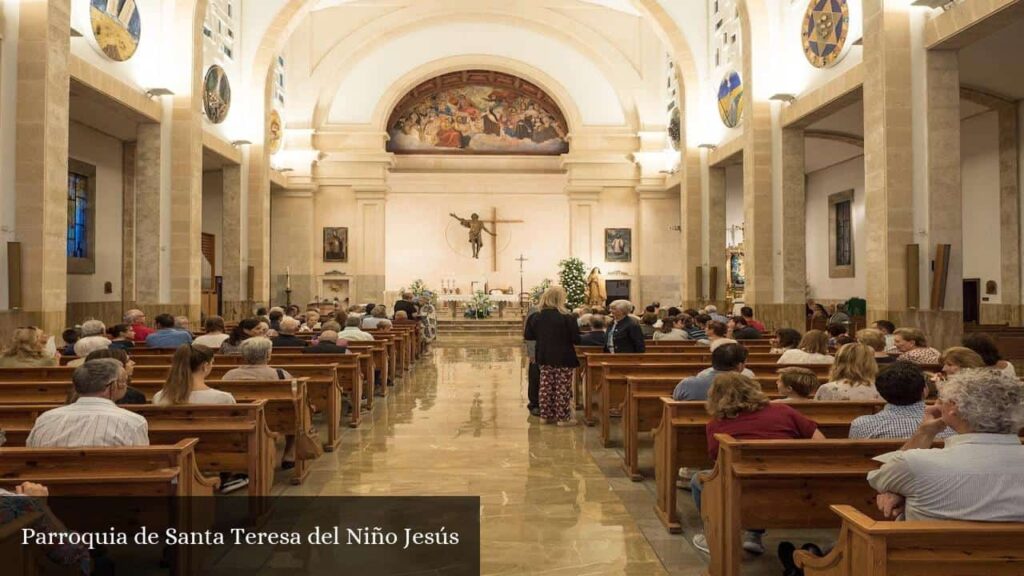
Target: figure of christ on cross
<point>477,226</point>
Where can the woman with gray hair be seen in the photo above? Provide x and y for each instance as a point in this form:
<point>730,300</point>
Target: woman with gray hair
<point>979,474</point>
<point>625,335</point>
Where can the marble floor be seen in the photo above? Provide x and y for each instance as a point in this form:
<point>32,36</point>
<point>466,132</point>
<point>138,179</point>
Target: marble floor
<point>553,501</point>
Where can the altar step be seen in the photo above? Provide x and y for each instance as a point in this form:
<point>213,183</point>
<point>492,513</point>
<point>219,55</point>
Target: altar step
<point>463,328</point>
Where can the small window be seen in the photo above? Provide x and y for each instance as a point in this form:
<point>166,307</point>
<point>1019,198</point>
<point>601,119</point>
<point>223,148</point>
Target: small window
<point>207,32</point>
<point>840,220</point>
<point>78,212</point>
<point>227,52</point>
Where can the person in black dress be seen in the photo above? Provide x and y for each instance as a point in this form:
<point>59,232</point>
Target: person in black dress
<point>556,333</point>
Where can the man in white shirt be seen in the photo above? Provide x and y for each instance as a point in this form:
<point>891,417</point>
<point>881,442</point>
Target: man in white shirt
<point>979,474</point>
<point>353,332</point>
<point>93,420</point>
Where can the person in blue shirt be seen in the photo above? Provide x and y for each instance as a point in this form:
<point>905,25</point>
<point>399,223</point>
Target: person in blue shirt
<point>166,335</point>
<point>725,358</point>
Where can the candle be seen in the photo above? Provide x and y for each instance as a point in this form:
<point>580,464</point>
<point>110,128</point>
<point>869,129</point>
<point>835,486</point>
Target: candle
<point>288,277</point>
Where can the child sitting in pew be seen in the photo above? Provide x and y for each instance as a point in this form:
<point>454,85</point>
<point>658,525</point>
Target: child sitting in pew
<point>797,384</point>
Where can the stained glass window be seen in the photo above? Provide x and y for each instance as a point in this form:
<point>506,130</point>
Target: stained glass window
<point>844,233</point>
<point>78,210</point>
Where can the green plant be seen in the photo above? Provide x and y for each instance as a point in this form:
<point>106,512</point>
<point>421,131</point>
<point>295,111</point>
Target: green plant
<point>419,290</point>
<point>572,275</point>
<point>480,306</point>
<point>538,290</point>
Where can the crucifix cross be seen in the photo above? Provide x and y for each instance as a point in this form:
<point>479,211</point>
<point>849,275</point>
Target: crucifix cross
<point>494,221</point>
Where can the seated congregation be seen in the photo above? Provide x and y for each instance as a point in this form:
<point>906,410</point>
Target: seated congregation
<point>774,429</point>
<point>241,397</point>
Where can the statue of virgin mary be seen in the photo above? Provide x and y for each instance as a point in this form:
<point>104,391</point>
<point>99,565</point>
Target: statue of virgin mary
<point>596,294</point>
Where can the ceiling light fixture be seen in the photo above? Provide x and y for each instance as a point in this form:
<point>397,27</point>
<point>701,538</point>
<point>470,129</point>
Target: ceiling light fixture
<point>707,146</point>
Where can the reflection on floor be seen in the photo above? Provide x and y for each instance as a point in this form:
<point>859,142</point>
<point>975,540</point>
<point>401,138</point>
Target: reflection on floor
<point>553,501</point>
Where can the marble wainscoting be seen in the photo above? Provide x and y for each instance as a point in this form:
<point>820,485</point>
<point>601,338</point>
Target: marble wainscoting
<point>659,288</point>
<point>943,329</point>
<point>1001,314</point>
<point>775,316</point>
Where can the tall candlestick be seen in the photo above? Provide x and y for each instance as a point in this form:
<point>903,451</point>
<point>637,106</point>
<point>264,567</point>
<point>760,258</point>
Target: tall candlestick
<point>288,277</point>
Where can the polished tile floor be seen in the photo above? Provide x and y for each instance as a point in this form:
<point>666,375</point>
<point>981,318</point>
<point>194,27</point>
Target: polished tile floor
<point>553,501</point>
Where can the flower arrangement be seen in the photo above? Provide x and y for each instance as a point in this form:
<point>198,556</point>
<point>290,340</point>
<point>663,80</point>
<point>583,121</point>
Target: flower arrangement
<point>480,306</point>
<point>572,275</point>
<point>419,290</point>
<point>537,291</point>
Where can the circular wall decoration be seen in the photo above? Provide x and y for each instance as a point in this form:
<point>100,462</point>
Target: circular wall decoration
<point>275,132</point>
<point>116,26</point>
<point>216,94</point>
<point>730,99</point>
<point>825,27</point>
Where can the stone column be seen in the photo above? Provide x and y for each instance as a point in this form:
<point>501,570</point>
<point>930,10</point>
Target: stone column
<point>41,169</point>
<point>148,150</point>
<point>945,195</point>
<point>757,208</point>
<point>370,240</point>
<point>259,199</point>
<point>128,224</point>
<point>583,214</point>
<point>1009,213</point>
<point>692,232</point>
<point>794,230</point>
<point>292,226</point>
<point>716,237</point>
<point>888,157</point>
<point>232,267</point>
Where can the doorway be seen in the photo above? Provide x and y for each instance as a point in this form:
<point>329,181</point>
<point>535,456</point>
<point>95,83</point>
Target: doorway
<point>972,300</point>
<point>210,283</point>
<point>616,290</point>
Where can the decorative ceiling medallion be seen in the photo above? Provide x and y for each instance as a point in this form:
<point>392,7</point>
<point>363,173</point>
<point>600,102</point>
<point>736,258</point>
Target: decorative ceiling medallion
<point>826,25</point>
<point>216,94</point>
<point>730,99</point>
<point>116,26</point>
<point>275,132</point>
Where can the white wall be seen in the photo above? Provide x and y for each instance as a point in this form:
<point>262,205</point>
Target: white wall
<point>213,213</point>
<point>820,185</point>
<point>979,164</point>
<point>106,154</point>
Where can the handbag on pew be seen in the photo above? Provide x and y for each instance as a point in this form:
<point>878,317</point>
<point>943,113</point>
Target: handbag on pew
<point>307,444</point>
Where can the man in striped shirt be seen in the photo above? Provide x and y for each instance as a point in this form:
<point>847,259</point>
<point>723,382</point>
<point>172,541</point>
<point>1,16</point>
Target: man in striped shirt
<point>979,473</point>
<point>904,387</point>
<point>93,420</point>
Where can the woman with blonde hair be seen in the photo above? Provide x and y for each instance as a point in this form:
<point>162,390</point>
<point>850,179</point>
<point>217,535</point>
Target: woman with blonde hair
<point>186,384</point>
<point>556,333</point>
<point>27,349</point>
<point>875,340</point>
<point>813,349</point>
<point>740,408</point>
<point>913,346</point>
<point>853,376</point>
<point>959,358</point>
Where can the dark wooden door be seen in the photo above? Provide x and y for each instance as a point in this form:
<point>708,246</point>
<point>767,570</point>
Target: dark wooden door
<point>972,301</point>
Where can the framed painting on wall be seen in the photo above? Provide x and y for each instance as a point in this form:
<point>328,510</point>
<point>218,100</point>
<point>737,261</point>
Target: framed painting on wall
<point>618,245</point>
<point>840,235</point>
<point>335,244</point>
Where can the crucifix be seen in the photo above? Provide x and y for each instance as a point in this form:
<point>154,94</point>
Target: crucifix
<point>522,260</point>
<point>477,225</point>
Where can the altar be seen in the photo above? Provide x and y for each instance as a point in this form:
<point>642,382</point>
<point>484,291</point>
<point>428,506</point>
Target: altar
<point>453,300</point>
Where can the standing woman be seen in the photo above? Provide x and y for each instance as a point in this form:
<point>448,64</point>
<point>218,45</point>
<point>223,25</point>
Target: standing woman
<point>625,335</point>
<point>556,333</point>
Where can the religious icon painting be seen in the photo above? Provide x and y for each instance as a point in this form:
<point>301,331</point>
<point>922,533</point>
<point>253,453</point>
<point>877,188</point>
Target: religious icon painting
<point>216,94</point>
<point>335,244</point>
<point>275,132</point>
<point>825,28</point>
<point>730,99</point>
<point>116,26</point>
<point>618,245</point>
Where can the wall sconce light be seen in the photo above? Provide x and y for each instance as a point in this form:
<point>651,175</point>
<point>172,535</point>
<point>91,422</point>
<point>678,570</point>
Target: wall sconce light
<point>782,97</point>
<point>707,146</point>
<point>933,4</point>
<point>75,33</point>
<point>157,92</point>
<point>240,143</point>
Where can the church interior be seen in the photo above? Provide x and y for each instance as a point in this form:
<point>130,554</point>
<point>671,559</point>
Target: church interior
<point>831,162</point>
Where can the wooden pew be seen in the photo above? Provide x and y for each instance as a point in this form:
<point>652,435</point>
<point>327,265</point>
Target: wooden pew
<point>326,383</point>
<point>869,547</point>
<point>379,351</point>
<point>611,394</point>
<point>19,559</point>
<point>643,410</point>
<point>232,437</point>
<point>681,440</point>
<point>161,470</point>
<point>783,484</point>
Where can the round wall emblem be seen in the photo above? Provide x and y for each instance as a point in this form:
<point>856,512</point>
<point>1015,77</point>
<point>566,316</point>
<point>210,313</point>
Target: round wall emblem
<point>826,25</point>
<point>216,94</point>
<point>116,26</point>
<point>730,99</point>
<point>275,132</point>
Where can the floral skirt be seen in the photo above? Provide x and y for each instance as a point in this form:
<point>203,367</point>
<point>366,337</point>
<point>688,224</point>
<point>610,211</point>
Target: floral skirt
<point>556,393</point>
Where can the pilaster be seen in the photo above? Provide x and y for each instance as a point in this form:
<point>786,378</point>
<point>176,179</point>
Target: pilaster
<point>232,265</point>
<point>691,224</point>
<point>41,169</point>
<point>583,217</point>
<point>370,241</point>
<point>794,230</point>
<point>148,211</point>
<point>716,236</point>
<point>757,205</point>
